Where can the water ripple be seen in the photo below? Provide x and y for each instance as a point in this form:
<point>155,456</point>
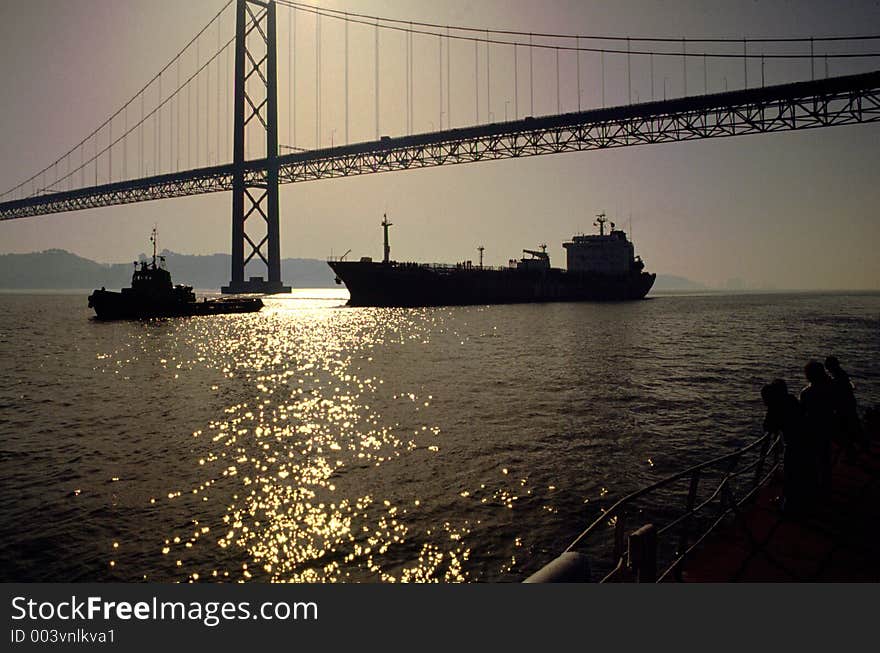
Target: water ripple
<point>312,442</point>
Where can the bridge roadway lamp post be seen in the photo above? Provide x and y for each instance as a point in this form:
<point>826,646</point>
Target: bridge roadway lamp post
<point>255,189</point>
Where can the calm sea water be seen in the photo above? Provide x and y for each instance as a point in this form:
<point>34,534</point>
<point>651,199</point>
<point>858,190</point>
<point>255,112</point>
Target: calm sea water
<point>315,442</point>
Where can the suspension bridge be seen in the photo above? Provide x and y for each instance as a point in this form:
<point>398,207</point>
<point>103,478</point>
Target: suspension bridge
<point>424,95</point>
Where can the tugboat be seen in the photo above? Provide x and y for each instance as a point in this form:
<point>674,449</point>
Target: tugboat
<point>153,295</point>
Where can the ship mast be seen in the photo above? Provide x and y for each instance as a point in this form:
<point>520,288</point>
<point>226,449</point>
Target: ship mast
<point>600,222</point>
<point>385,225</point>
<point>153,238</point>
<point>480,249</point>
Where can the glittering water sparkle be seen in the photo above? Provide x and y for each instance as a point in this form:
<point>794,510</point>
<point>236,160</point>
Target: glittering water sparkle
<point>315,442</point>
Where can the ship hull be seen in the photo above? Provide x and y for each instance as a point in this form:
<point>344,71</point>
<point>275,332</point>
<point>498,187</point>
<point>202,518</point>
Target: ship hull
<point>409,284</point>
<point>111,305</point>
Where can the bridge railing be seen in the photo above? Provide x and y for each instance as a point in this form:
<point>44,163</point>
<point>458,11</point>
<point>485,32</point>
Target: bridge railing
<point>441,267</point>
<point>454,267</point>
<point>648,535</point>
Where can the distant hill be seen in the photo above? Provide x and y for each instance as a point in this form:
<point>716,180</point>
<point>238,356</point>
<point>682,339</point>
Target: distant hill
<point>672,282</point>
<point>57,268</point>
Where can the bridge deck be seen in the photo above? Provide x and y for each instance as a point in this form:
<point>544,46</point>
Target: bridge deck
<point>803,105</point>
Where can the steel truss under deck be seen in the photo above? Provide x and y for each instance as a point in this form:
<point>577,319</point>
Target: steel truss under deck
<point>829,102</point>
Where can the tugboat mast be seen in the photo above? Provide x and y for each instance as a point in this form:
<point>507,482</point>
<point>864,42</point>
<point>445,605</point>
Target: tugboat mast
<point>153,238</point>
<point>600,222</point>
<point>385,225</point>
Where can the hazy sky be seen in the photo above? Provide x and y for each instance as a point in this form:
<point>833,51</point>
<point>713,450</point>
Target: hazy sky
<point>791,210</point>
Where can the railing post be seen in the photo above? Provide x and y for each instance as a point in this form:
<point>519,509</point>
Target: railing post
<point>619,537</point>
<point>686,524</point>
<point>643,554</point>
<point>759,470</point>
<point>775,456</point>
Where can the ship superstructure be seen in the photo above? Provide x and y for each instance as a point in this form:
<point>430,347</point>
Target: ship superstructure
<point>601,253</point>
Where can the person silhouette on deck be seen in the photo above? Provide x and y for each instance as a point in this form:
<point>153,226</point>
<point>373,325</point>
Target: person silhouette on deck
<point>848,423</point>
<point>785,416</point>
<point>818,404</point>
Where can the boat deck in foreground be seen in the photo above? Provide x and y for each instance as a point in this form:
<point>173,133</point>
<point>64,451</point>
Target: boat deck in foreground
<point>839,541</point>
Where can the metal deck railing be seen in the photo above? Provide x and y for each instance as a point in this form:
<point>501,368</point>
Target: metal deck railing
<point>667,532</point>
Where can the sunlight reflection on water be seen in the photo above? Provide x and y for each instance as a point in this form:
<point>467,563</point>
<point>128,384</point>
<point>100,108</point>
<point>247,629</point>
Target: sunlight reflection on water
<point>276,466</point>
<point>316,442</point>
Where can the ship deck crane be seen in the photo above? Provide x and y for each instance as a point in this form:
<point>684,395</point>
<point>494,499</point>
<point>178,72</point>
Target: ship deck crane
<point>542,254</point>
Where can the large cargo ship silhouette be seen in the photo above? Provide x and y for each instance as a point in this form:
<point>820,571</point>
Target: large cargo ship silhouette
<point>600,267</point>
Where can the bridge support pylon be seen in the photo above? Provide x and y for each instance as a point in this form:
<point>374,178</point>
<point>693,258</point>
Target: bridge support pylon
<point>255,190</point>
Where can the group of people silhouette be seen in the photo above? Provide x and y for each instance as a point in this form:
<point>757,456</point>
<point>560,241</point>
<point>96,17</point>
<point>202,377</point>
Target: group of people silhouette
<point>824,412</point>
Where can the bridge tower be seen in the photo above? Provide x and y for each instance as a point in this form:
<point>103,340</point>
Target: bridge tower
<point>255,189</point>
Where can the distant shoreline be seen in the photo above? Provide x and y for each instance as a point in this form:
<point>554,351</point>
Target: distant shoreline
<point>766,291</point>
<point>57,270</point>
<point>709,292</point>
